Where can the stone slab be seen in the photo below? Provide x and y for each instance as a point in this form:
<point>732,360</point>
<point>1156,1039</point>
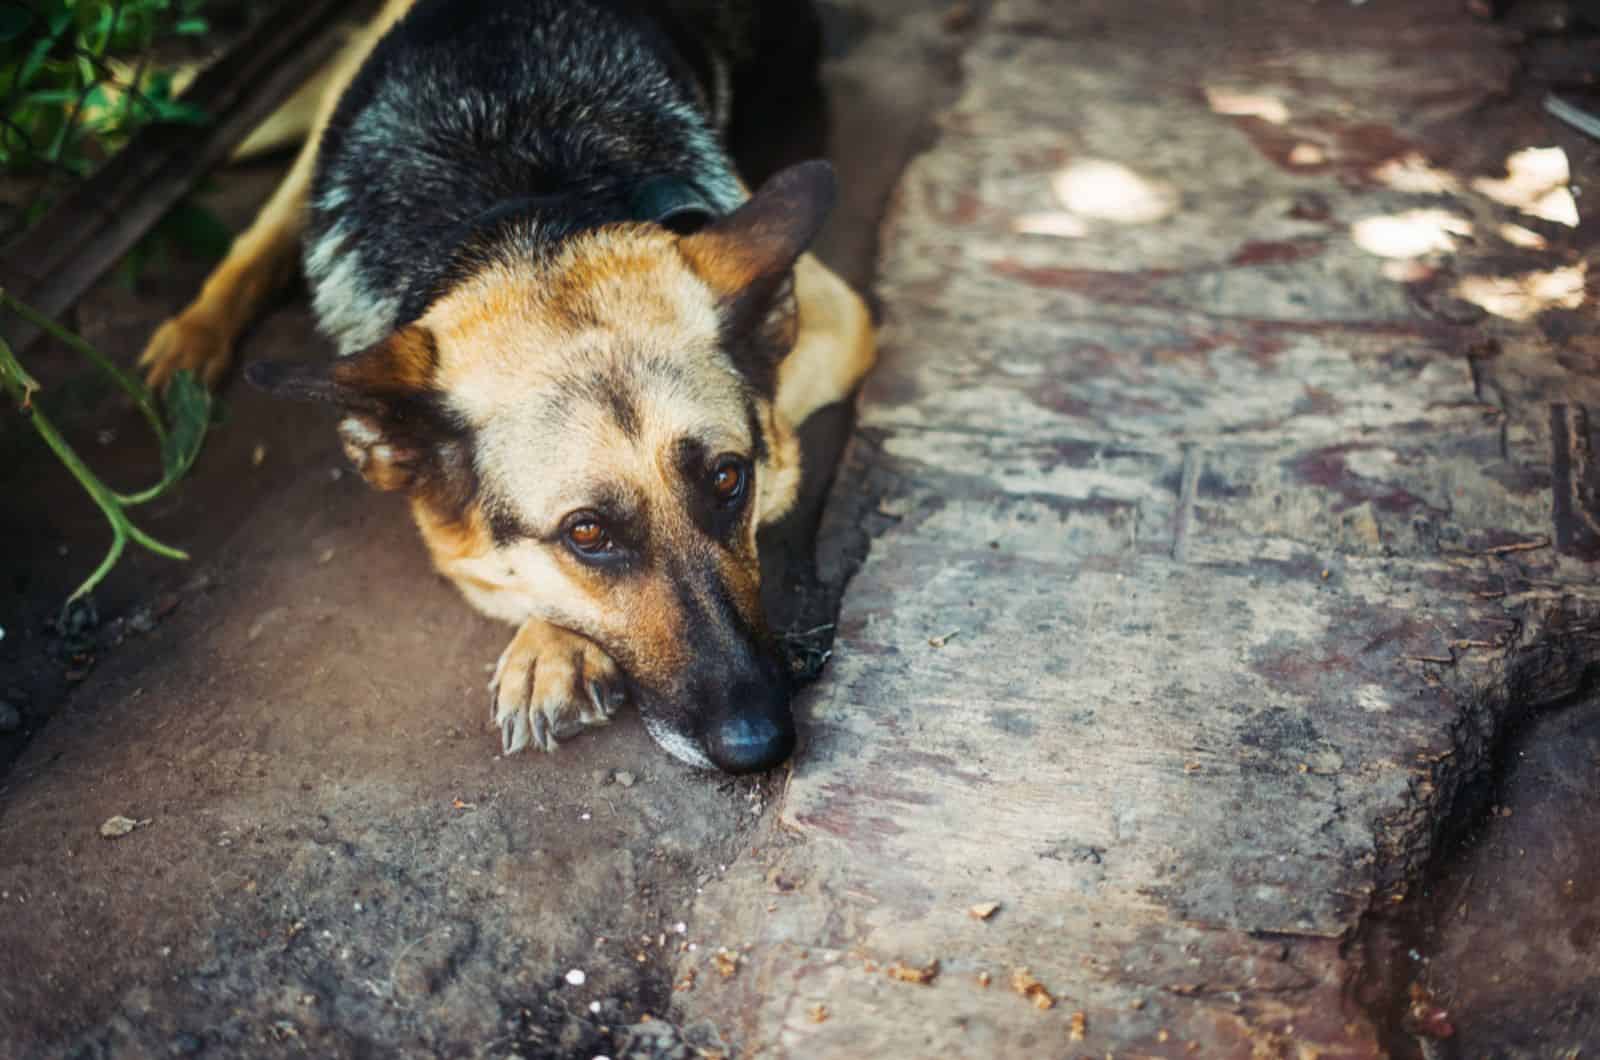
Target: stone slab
<point>1212,546</point>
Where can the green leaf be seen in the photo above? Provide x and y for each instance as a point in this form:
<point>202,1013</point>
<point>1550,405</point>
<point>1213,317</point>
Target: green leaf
<point>35,60</point>
<point>52,96</point>
<point>188,414</point>
<point>60,21</point>
<point>191,27</point>
<point>180,113</point>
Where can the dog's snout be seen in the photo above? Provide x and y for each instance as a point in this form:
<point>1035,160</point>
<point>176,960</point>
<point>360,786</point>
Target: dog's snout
<point>755,735</point>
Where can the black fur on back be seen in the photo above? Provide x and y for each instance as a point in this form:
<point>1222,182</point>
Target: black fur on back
<point>560,108</point>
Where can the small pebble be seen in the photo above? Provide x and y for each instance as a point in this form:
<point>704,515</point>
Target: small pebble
<point>625,778</point>
<point>576,977</point>
<point>118,826</point>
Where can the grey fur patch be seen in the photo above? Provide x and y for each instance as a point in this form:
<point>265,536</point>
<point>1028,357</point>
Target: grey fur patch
<point>349,310</point>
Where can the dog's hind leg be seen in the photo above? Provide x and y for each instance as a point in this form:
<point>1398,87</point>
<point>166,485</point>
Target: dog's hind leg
<point>263,257</point>
<point>835,347</point>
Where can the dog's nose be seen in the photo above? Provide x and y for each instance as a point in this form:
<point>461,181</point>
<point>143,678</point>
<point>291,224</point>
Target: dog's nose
<point>750,741</point>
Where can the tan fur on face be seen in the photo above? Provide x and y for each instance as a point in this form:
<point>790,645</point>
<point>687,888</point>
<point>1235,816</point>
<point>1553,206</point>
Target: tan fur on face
<point>532,358</point>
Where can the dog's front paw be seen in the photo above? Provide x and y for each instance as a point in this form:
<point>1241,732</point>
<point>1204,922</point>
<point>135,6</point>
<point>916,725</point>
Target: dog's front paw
<point>549,684</point>
<point>192,340</point>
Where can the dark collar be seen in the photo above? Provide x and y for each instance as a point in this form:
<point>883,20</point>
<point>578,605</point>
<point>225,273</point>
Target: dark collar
<point>671,202</point>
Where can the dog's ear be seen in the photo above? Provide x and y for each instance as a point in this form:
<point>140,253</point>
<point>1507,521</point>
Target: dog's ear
<point>394,425</point>
<point>746,257</point>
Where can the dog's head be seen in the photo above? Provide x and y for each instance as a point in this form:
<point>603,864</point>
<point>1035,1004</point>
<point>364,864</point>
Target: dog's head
<point>590,439</point>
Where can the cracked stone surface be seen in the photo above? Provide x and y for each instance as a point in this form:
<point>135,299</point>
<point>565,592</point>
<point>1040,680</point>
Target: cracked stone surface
<point>1216,536</point>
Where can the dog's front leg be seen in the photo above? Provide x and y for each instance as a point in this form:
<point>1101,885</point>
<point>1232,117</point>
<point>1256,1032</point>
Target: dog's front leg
<point>262,260</point>
<point>549,684</point>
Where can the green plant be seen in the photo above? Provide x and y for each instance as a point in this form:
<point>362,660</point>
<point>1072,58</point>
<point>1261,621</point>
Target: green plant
<point>76,78</point>
<point>181,432</point>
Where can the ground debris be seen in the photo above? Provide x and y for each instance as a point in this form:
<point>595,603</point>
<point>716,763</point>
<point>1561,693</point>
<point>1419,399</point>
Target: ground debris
<point>1426,1019</point>
<point>983,910</point>
<point>1023,982</point>
<point>907,973</point>
<point>1078,1029</point>
<point>817,1013</point>
<point>118,826</point>
<point>725,963</point>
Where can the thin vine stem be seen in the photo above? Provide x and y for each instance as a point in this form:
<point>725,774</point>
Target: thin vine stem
<point>22,387</point>
<point>134,389</point>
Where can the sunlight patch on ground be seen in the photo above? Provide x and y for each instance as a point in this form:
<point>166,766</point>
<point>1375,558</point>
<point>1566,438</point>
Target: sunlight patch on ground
<point>1410,234</point>
<point>1409,271</point>
<point>1056,223</point>
<point>1110,191</point>
<point>1307,154</point>
<point>1237,104</point>
<point>1524,296</point>
<point>1536,184</point>
<point>1414,175</point>
<point>1526,238</point>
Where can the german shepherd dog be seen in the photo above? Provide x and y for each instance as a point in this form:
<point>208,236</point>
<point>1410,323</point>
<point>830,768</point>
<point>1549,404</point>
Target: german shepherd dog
<point>571,335</point>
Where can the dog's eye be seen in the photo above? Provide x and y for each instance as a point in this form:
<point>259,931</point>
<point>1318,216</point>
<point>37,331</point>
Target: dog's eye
<point>588,536</point>
<point>728,479</point>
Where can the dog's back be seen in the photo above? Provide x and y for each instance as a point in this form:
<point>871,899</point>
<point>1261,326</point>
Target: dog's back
<point>478,125</point>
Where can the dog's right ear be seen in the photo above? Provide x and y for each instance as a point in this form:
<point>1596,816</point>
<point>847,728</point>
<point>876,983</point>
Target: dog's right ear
<point>394,426</point>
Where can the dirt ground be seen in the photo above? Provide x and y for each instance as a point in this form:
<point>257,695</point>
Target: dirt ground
<point>1222,610</point>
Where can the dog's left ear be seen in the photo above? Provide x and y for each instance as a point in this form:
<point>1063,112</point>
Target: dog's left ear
<point>746,257</point>
<point>394,429</point>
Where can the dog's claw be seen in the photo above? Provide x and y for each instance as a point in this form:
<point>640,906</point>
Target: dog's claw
<point>514,733</point>
<point>548,684</point>
<point>605,702</point>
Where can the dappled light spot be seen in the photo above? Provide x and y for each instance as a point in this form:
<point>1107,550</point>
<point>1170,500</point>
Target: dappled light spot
<point>1524,296</point>
<point>1237,104</point>
<point>1412,173</point>
<point>1526,238</point>
<point>1410,234</point>
<point>1056,223</point>
<point>1408,271</point>
<point>1536,184</point>
<point>1307,154</point>
<point>1110,191</point>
